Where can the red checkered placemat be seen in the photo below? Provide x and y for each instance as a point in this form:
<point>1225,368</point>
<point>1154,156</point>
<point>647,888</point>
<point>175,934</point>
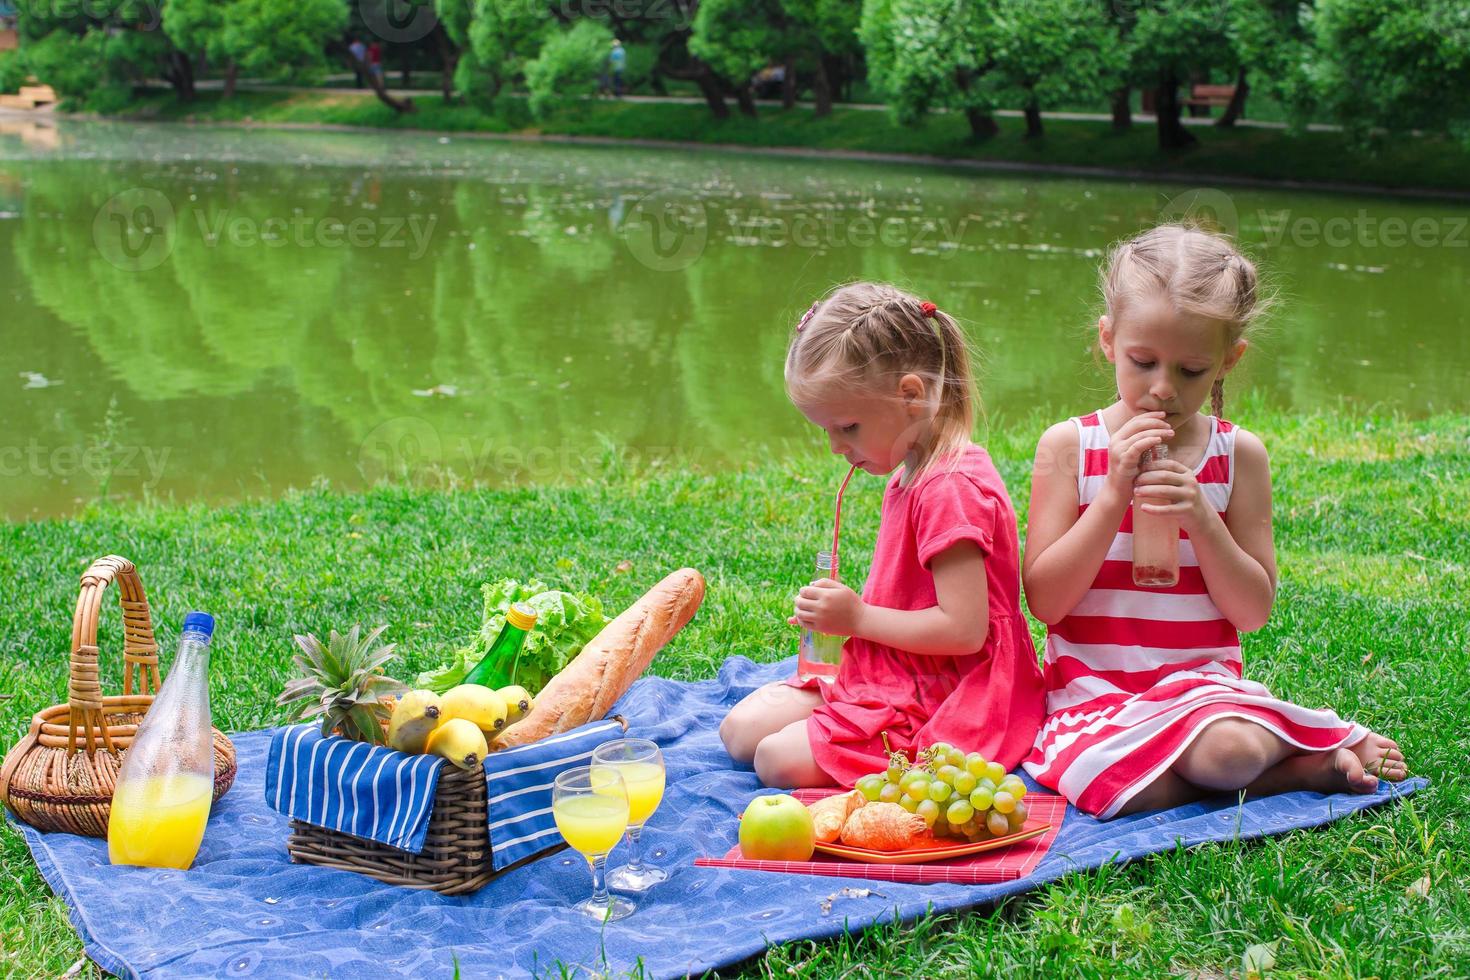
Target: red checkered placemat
<point>988,867</point>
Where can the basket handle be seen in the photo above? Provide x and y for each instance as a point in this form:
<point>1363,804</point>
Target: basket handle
<point>140,651</point>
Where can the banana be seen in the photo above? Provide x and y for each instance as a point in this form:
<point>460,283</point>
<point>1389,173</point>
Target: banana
<point>518,702</point>
<point>414,720</point>
<point>475,703</point>
<point>460,741</point>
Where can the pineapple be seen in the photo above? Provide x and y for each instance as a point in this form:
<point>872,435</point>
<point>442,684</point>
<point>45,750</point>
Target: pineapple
<point>342,682</point>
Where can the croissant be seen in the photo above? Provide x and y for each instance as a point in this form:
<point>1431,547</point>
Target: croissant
<point>884,827</point>
<point>829,814</point>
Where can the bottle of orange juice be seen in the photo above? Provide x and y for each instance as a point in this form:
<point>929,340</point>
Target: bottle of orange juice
<point>161,802</point>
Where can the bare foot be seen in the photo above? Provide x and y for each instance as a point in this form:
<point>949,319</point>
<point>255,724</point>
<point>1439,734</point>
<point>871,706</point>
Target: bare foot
<point>1381,756</point>
<point>1338,771</point>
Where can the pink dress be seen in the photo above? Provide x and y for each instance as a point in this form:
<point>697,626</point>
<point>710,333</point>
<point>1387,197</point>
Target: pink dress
<point>1133,674</point>
<point>989,701</point>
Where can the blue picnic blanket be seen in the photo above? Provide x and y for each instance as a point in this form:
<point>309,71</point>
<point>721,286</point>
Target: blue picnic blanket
<point>244,910</point>
<point>380,794</point>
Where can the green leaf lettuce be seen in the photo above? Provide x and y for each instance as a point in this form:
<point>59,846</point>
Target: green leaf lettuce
<point>565,621</point>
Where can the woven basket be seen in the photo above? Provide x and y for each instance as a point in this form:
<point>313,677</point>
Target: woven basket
<point>456,854</point>
<point>61,775</point>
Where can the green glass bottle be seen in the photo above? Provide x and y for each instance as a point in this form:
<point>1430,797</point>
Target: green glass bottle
<point>498,667</point>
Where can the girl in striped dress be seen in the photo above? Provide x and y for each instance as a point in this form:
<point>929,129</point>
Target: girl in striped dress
<point>1146,703</point>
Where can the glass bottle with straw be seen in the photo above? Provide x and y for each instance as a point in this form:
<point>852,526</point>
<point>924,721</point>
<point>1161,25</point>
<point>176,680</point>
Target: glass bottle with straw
<point>1155,537</point>
<point>819,655</point>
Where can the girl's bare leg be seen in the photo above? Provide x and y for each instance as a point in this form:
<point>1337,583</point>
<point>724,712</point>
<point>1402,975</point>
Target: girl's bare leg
<point>1232,754</point>
<point>784,759</point>
<point>763,712</point>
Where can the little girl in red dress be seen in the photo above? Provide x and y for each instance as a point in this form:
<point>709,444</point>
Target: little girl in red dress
<point>939,648</point>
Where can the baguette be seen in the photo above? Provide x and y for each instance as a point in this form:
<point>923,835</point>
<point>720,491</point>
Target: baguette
<point>609,664</point>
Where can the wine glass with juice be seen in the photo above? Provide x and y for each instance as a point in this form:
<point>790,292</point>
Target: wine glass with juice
<point>641,765</point>
<point>591,811</point>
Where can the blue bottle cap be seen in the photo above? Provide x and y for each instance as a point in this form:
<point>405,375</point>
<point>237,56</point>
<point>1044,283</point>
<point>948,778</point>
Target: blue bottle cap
<point>198,622</point>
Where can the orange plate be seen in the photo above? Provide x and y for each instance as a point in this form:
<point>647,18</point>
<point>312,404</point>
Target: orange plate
<point>935,850</point>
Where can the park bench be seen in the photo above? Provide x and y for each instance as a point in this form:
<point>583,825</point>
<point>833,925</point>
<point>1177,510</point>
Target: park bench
<point>29,97</point>
<point>1210,95</point>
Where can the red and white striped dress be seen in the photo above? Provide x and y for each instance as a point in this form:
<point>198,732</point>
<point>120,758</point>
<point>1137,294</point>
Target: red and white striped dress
<point>1133,674</point>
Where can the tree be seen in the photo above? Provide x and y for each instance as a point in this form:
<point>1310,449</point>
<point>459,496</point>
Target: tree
<point>739,38</point>
<point>505,38</point>
<point>1172,41</point>
<point>94,53</point>
<point>927,54</point>
<point>567,65</point>
<point>272,39</point>
<point>1392,64</point>
<point>1050,51</point>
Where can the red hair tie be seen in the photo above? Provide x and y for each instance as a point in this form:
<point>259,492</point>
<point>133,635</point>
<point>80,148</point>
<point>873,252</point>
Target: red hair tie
<point>929,308</point>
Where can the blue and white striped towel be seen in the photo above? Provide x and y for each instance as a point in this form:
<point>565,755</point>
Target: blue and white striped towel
<point>518,782</point>
<point>383,795</point>
<point>364,790</point>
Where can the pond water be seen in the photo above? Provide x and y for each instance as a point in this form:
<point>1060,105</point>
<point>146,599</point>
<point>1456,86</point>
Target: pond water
<point>214,314</point>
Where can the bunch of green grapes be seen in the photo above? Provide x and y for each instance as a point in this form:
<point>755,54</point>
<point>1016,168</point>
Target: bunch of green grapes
<point>959,794</point>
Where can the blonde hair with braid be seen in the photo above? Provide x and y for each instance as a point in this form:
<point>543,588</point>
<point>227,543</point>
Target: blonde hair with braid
<point>864,336</point>
<point>1199,272</point>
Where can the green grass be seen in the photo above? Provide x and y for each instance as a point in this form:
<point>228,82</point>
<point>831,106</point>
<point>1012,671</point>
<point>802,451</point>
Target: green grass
<point>1262,154</point>
<point>1373,531</point>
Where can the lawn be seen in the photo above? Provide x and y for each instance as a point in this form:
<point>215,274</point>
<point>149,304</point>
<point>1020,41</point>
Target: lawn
<point>1241,153</point>
<point>1373,531</point>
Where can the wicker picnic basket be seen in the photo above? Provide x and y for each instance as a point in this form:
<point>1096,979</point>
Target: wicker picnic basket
<point>61,775</point>
<point>457,853</point>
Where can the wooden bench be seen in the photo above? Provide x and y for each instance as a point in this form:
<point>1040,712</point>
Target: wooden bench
<point>29,97</point>
<point>1210,95</point>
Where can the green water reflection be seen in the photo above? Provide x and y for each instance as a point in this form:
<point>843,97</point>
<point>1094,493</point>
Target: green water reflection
<point>265,309</point>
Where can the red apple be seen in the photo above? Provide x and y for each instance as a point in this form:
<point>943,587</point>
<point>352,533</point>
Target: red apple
<point>777,828</point>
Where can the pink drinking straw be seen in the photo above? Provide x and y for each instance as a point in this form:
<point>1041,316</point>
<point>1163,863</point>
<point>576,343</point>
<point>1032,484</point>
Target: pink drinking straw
<point>837,523</point>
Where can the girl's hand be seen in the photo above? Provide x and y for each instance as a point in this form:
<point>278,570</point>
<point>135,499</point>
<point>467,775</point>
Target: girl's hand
<point>827,606</point>
<point>1169,488</point>
<point>1126,447</point>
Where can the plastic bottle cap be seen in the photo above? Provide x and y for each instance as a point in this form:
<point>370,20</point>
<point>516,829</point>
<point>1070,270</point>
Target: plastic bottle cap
<point>521,615</point>
<point>198,622</point>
